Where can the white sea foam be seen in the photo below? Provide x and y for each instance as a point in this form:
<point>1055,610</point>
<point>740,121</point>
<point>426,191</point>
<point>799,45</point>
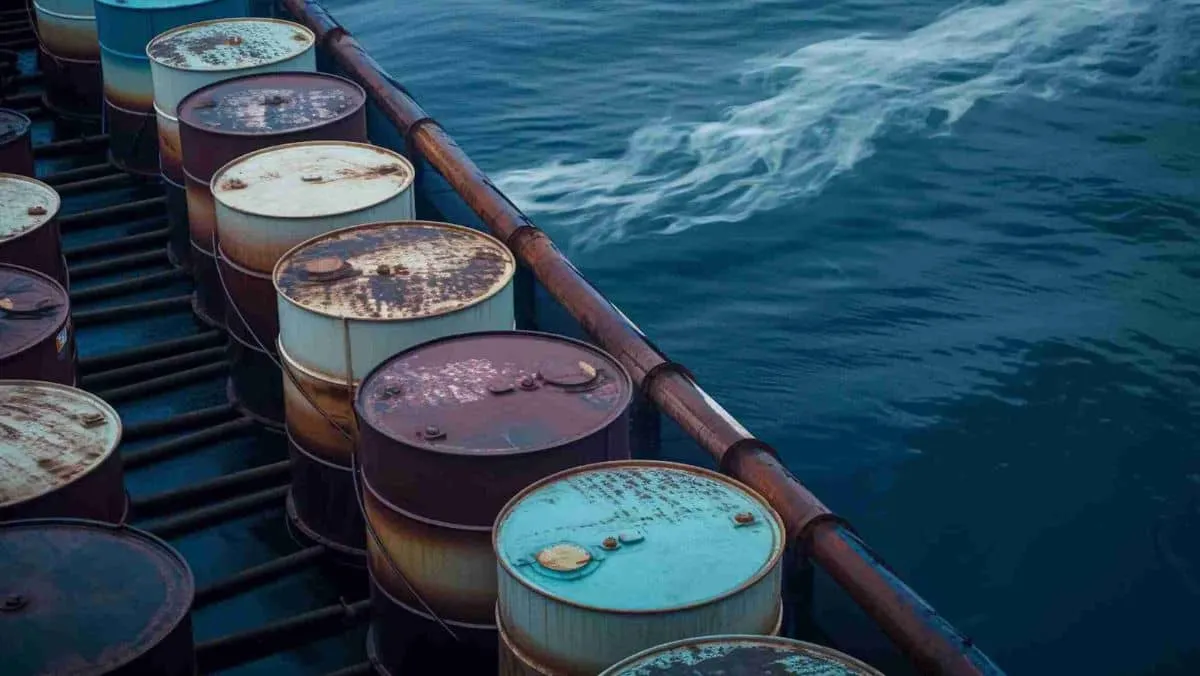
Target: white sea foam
<point>827,102</point>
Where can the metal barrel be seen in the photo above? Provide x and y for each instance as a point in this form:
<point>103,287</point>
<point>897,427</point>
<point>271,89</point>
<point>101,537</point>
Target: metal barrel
<point>59,454</point>
<point>350,299</point>
<point>600,562</point>
<point>36,339</point>
<point>745,654</point>
<point>29,233</point>
<point>488,413</point>
<point>185,59</point>
<point>124,28</point>
<point>86,597</point>
<point>16,144</point>
<point>69,56</point>
<point>223,121</point>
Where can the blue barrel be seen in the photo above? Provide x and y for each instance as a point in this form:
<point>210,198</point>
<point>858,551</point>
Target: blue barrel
<point>124,28</point>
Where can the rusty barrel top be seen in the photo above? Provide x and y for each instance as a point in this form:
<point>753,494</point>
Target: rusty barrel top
<point>229,44</point>
<point>495,393</point>
<point>25,205</point>
<point>32,307</point>
<point>312,179</point>
<point>637,536</point>
<point>740,655</point>
<point>13,125</point>
<point>83,597</point>
<point>50,435</point>
<point>394,271</point>
<point>263,104</point>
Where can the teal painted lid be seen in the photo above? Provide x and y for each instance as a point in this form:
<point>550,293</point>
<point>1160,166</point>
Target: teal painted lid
<point>638,536</point>
<point>740,656</point>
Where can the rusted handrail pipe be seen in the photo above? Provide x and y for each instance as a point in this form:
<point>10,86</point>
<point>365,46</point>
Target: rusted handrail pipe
<point>932,644</point>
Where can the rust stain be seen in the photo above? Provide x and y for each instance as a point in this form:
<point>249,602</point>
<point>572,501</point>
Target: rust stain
<point>273,103</point>
<point>35,308</point>
<point>227,44</point>
<point>445,269</point>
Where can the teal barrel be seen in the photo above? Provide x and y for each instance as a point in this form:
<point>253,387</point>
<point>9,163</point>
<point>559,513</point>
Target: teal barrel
<point>600,562</point>
<point>125,27</point>
<point>731,655</point>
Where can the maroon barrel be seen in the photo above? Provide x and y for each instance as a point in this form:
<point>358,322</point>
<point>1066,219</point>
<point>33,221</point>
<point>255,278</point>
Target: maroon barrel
<point>36,338</point>
<point>16,143</point>
<point>29,233</point>
<point>486,413</point>
<point>58,455</point>
<point>84,597</point>
<point>225,120</point>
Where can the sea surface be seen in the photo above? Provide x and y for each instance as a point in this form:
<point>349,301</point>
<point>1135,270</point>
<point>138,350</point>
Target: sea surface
<point>945,257</point>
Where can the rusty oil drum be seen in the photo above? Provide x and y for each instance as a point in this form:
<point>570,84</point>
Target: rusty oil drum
<point>85,597</point>
<point>628,555</point>
<point>16,144</point>
<point>223,121</point>
<point>183,60</point>
<point>29,232</point>
<point>488,413</point>
<point>59,454</point>
<point>69,58</point>
<point>36,338</point>
<point>384,287</point>
<point>270,200</point>
<point>745,654</point>
<point>124,28</point>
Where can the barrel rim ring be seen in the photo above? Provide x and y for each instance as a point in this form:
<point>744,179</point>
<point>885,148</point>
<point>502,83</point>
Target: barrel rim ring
<point>174,4</point>
<point>771,565</point>
<point>508,281</point>
<point>469,626</point>
<point>312,43</point>
<point>187,576</point>
<point>407,187</point>
<point>291,362</point>
<point>412,516</point>
<point>24,133</point>
<point>38,8</point>
<point>614,414</point>
<point>183,122</point>
<point>237,267</point>
<point>54,213</point>
<point>92,398</point>
<point>835,656</point>
<point>56,327</point>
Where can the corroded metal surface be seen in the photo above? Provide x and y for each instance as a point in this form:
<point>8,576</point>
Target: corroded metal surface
<point>929,640</point>
<point>491,411</point>
<point>627,555</point>
<point>16,144</point>
<point>29,233</point>
<point>255,385</point>
<point>254,296</point>
<point>88,598</point>
<point>322,502</point>
<point>311,426</point>
<point>390,271</point>
<point>740,656</point>
<point>229,44</point>
<point>67,28</point>
<point>69,57</point>
<point>36,340</point>
<point>58,453</point>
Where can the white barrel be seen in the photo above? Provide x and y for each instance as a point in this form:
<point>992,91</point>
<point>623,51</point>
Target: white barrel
<point>189,57</point>
<point>270,200</point>
<point>386,287</point>
<point>67,28</point>
<point>599,562</point>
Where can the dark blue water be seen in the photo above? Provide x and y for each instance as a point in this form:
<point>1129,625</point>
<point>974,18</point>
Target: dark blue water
<point>945,257</point>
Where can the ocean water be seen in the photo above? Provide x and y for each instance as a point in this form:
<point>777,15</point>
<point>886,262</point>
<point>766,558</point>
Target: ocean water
<point>944,256</point>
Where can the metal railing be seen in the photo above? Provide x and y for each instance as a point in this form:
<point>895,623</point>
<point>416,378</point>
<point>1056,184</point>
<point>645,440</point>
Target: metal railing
<point>928,640</point>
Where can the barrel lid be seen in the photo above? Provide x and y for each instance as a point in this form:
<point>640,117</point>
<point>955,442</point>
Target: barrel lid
<point>394,271</point>
<point>12,124</point>
<point>82,597</point>
<point>495,393</point>
<point>52,435</point>
<point>32,307</point>
<point>737,655</point>
<point>271,103</point>
<point>25,203</point>
<point>229,44</point>
<point>312,179</point>
<point>637,536</point>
